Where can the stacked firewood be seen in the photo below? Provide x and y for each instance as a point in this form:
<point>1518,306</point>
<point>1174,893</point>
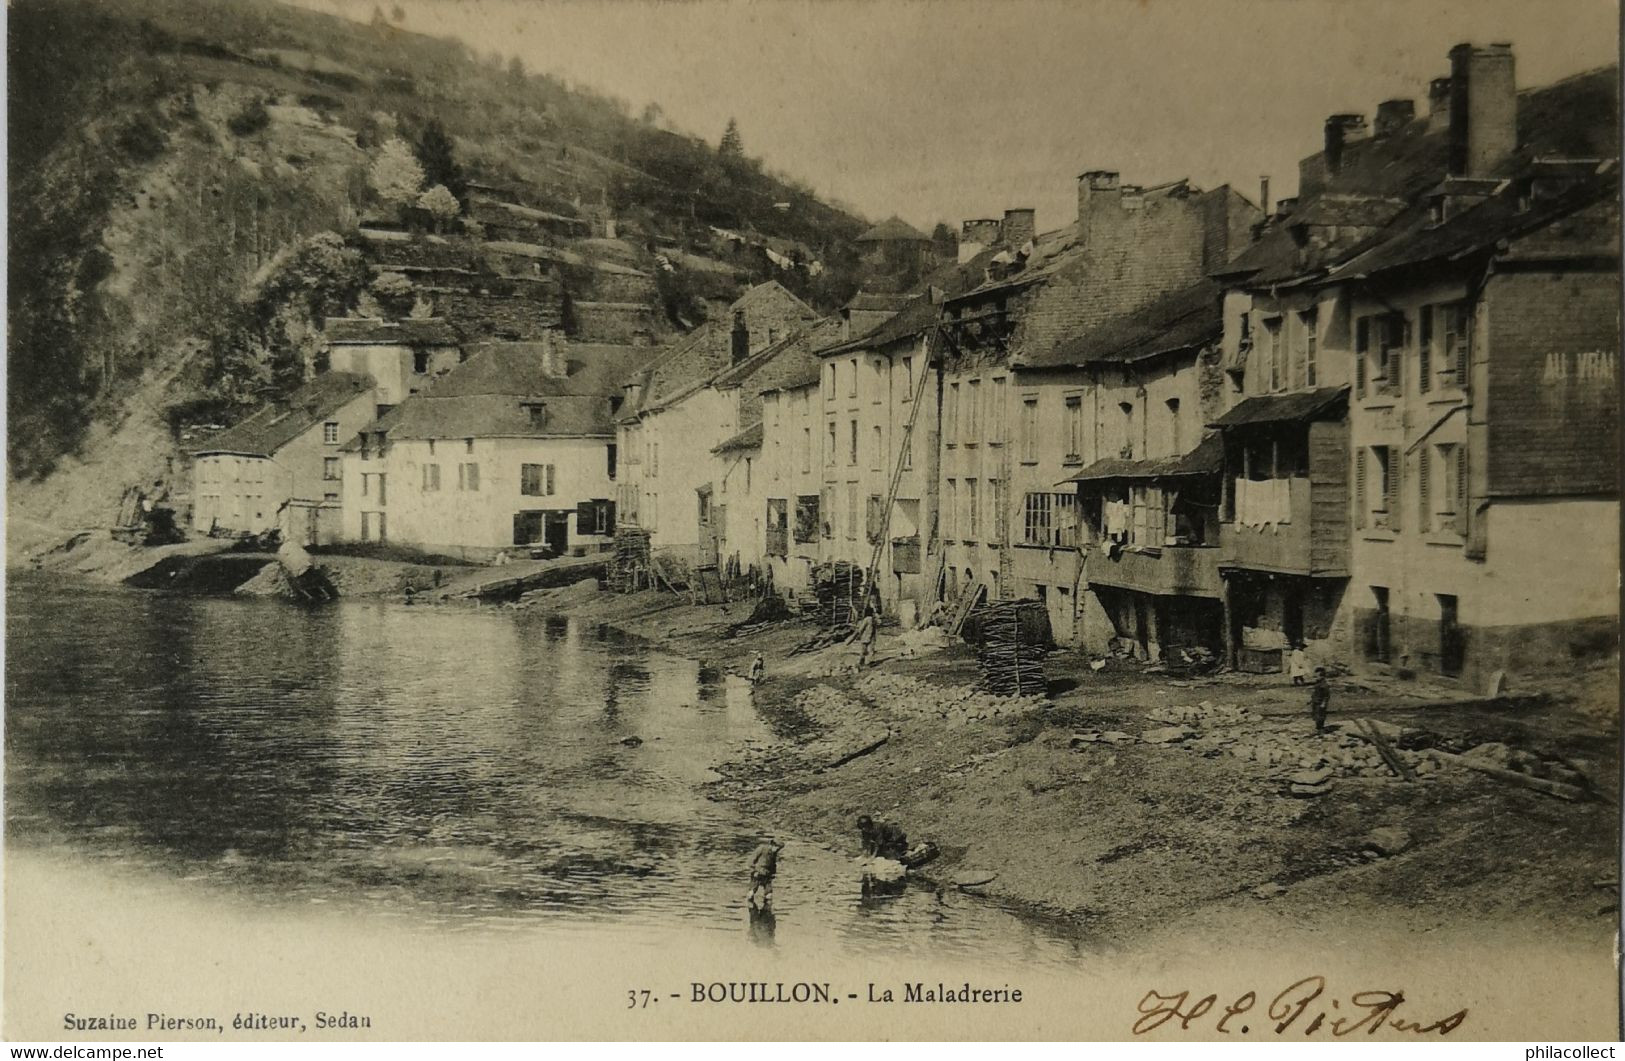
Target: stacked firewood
<point>840,593</point>
<point>1014,636</point>
<point>629,565</point>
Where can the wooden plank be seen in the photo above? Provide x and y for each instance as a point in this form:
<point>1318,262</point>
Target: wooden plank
<point>1572,793</point>
<point>1384,749</point>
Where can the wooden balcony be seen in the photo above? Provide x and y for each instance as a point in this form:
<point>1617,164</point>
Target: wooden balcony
<point>1313,541</point>
<point>1172,570</point>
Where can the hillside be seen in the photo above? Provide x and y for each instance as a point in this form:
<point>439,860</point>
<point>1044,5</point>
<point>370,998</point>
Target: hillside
<point>193,192</point>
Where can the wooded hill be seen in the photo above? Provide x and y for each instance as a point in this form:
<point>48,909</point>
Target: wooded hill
<point>190,184</point>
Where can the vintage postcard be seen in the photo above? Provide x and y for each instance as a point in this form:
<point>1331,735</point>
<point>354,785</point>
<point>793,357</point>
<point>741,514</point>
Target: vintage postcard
<point>772,519</point>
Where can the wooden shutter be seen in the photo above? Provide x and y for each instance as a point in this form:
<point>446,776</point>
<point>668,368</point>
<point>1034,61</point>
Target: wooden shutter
<point>1464,332</point>
<point>1461,491</point>
<point>1424,512</point>
<point>1398,339</point>
<point>586,517</point>
<point>1362,345</point>
<point>1396,487</point>
<point>549,487</point>
<point>1424,353</point>
<point>1359,487</point>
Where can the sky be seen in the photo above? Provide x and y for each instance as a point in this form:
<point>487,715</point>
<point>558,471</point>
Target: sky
<point>952,109</point>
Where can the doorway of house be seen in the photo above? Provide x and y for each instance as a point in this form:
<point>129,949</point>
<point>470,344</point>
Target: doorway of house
<point>556,532</point>
<point>1452,645</point>
<point>1292,615</point>
<point>1377,643</point>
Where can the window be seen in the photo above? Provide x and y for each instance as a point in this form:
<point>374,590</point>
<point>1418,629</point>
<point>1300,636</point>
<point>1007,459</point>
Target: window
<point>1424,503</point>
<point>1310,324</point>
<point>1066,520</point>
<point>1029,429</point>
<point>330,433</point>
<point>536,480</point>
<point>908,447</point>
<point>1127,450</point>
<point>420,361</point>
<point>1037,525</point>
<point>973,412</point>
<point>537,412</point>
<point>1378,354</point>
<point>875,521</point>
<point>852,443</point>
<point>610,453</point>
<point>1074,429</point>
<point>950,416</point>
<point>1441,348</point>
<point>995,412</point>
<point>468,476</point>
<point>908,379</point>
<point>852,510</point>
<point>468,445</point>
<point>829,453</point>
<point>1384,472</point>
<point>877,458</point>
<point>431,477</point>
<point>1150,516</point>
<point>806,450</point>
<point>972,510</point>
<point>747,474</point>
<point>829,381</point>
<point>330,467</point>
<point>330,496</point>
<point>879,376</point>
<point>950,511</point>
<point>654,459</point>
<point>1451,461</point>
<point>852,380</point>
<point>1172,405</point>
<point>995,497</point>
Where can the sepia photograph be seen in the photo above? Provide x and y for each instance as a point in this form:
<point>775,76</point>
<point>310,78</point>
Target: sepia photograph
<point>807,520</point>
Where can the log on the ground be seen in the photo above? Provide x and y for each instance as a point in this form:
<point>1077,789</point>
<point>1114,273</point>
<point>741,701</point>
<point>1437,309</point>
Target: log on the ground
<point>1572,793</point>
<point>857,753</point>
<point>1371,733</point>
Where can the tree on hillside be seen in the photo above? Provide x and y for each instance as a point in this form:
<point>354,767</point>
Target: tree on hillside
<point>732,146</point>
<point>652,115</point>
<point>944,242</point>
<point>441,204</point>
<point>438,156</point>
<point>395,174</point>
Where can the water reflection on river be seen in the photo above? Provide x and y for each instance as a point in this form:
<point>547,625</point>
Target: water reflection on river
<point>449,768</point>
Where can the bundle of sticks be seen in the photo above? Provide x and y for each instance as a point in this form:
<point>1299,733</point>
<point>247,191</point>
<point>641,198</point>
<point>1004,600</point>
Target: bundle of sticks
<point>629,565</point>
<point>840,593</point>
<point>1014,639</point>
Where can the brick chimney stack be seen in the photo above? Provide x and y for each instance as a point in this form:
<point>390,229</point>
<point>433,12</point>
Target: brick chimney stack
<point>1020,227</point>
<point>1438,104</point>
<point>1342,130</point>
<point>1393,115</point>
<point>1100,201</point>
<point>1483,109</point>
<point>977,235</point>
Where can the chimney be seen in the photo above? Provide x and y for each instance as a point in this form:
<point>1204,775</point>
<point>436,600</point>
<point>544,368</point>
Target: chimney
<point>1393,115</point>
<point>741,337</point>
<point>1020,227</point>
<point>1438,104</point>
<point>1483,109</point>
<point>1264,194</point>
<point>976,236</point>
<point>552,360</point>
<point>1342,130</point>
<point>1100,196</point>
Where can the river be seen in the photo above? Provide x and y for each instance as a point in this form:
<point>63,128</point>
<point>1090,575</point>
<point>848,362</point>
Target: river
<point>452,770</point>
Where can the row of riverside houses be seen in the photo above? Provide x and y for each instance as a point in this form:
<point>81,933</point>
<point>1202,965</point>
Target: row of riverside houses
<point>1379,420</point>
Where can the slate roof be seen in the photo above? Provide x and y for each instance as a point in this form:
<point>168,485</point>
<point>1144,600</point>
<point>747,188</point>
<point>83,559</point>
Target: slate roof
<point>1573,118</point>
<point>750,438</point>
<point>1206,459</point>
<point>490,394</point>
<point>870,301</point>
<point>1281,408</point>
<point>432,331</point>
<point>275,425</point>
<point>893,228</point>
<point>1182,320</point>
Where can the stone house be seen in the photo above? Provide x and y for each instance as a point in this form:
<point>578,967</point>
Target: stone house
<point>281,467</point>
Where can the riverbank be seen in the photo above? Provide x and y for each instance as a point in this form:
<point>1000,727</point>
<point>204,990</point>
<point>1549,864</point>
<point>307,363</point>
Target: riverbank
<point>1183,799</point>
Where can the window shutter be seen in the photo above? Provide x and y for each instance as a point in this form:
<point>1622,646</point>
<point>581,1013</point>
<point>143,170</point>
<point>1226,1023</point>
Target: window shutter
<point>1424,356</point>
<point>1398,340</point>
<point>1461,491</point>
<point>1424,512</point>
<point>473,476</point>
<point>1396,487</point>
<point>1362,345</point>
<point>549,468</point>
<point>1359,487</point>
<point>585,517</point>
<point>609,517</point>
<point>1464,333</point>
